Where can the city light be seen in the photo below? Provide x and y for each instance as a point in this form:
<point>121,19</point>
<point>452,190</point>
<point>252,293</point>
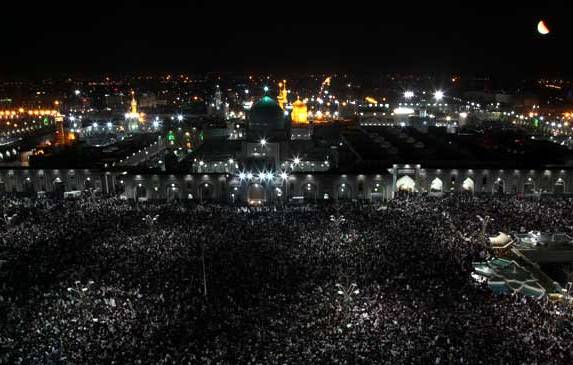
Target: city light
<point>438,95</point>
<point>403,111</point>
<point>296,160</point>
<point>249,175</point>
<point>109,125</point>
<point>77,92</point>
<point>266,88</point>
<point>242,175</point>
<point>408,94</point>
<point>179,117</point>
<point>284,175</point>
<point>263,142</point>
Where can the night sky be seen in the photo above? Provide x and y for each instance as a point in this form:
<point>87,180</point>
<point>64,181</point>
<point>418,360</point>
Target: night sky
<point>136,36</point>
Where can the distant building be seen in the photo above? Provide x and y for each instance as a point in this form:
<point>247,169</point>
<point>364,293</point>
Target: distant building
<point>217,107</point>
<point>115,102</point>
<point>147,100</point>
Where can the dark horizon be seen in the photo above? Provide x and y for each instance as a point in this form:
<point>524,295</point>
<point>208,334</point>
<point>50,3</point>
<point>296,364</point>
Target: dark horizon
<point>138,37</point>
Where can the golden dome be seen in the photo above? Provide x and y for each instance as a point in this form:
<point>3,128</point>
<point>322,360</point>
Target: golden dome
<point>299,113</point>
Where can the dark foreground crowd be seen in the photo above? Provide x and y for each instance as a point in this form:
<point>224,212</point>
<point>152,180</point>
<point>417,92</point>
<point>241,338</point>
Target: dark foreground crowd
<point>111,282</point>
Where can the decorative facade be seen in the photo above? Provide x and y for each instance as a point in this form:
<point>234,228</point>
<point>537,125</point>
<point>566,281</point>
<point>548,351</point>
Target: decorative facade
<point>265,187</point>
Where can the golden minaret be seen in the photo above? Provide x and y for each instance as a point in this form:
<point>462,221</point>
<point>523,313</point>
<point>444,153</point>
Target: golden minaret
<point>133,103</point>
<point>282,97</point>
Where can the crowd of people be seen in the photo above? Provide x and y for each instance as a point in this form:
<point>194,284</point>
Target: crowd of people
<point>106,281</point>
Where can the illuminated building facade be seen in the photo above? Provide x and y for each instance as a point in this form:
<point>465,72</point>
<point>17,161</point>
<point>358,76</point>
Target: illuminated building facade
<point>269,186</point>
<point>299,113</point>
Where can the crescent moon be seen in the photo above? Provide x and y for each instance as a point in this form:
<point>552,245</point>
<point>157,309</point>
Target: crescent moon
<point>542,28</point>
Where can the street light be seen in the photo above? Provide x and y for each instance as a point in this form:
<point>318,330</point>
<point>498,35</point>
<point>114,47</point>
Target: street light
<point>296,160</point>
<point>284,175</point>
<point>438,95</point>
<point>263,142</point>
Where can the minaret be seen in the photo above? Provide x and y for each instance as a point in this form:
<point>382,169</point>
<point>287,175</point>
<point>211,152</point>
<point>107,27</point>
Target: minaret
<point>133,103</point>
<point>218,98</point>
<point>60,132</point>
<point>282,98</point>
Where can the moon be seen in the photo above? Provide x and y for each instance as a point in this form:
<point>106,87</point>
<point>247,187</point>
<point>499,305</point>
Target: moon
<point>542,28</point>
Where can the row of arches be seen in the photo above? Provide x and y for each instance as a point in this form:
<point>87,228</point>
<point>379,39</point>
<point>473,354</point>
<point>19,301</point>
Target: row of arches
<point>57,186</point>
<point>255,192</point>
<point>309,188</point>
<point>8,154</point>
<point>407,184</point>
<point>308,191</point>
<point>437,185</point>
<point>204,192</point>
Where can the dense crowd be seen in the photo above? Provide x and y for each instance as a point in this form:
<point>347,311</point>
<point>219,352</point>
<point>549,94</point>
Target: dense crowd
<point>105,281</point>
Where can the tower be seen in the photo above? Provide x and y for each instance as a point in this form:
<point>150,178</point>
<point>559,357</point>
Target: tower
<point>282,97</point>
<point>133,117</point>
<point>60,133</point>
<point>133,108</point>
<point>218,107</point>
<point>218,98</point>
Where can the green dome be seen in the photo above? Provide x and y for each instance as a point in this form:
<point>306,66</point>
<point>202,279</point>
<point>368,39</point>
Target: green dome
<point>266,115</point>
<point>266,105</point>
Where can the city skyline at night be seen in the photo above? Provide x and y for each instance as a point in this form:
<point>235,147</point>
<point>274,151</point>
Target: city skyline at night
<point>286,183</point>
